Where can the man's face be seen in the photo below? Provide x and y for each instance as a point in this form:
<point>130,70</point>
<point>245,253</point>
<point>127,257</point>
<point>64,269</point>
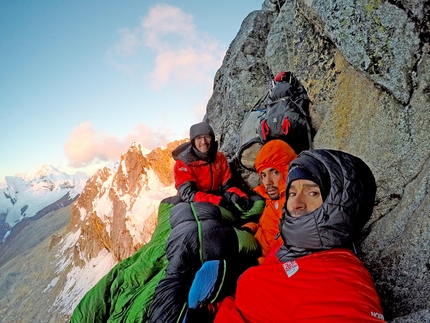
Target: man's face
<point>271,178</point>
<point>304,197</point>
<point>203,143</point>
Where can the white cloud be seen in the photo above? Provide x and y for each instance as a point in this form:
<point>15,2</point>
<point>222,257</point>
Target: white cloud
<point>165,24</point>
<point>183,55</point>
<point>128,43</point>
<point>178,58</point>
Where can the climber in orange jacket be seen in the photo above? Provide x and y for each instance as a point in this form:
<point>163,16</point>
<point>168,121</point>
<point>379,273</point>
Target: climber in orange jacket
<point>271,164</point>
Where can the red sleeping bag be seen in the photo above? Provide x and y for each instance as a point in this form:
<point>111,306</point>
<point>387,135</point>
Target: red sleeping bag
<point>327,286</point>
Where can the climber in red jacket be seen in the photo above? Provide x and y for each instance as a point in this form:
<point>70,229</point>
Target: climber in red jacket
<point>314,276</point>
<point>202,173</point>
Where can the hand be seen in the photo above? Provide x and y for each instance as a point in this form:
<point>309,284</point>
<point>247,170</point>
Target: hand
<point>231,198</point>
<point>240,203</point>
<point>244,203</point>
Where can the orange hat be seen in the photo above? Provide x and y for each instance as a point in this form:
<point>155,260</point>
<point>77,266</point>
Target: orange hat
<point>275,154</point>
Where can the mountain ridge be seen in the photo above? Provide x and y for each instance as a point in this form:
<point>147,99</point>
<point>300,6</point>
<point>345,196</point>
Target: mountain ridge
<point>112,217</point>
<point>24,196</point>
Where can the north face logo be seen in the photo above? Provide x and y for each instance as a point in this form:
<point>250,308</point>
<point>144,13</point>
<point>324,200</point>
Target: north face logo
<point>377,315</point>
<point>290,267</point>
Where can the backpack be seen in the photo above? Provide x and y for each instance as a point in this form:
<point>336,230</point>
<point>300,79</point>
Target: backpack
<point>284,116</point>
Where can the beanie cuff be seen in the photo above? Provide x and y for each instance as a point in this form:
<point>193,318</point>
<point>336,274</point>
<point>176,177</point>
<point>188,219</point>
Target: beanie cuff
<point>297,172</point>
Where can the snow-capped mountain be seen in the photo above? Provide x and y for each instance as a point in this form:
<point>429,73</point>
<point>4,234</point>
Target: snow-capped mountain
<point>114,215</point>
<point>25,196</point>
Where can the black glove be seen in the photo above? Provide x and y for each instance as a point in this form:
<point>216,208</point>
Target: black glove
<point>225,204</point>
<point>240,203</point>
<point>231,198</point>
<point>244,203</point>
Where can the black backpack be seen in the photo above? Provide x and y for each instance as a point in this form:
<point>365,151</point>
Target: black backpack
<point>284,115</point>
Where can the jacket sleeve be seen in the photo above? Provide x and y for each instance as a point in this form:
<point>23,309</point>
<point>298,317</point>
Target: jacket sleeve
<point>189,193</point>
<point>251,226</point>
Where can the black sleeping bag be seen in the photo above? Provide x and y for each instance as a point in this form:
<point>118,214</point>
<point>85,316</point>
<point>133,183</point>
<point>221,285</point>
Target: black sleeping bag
<point>200,232</point>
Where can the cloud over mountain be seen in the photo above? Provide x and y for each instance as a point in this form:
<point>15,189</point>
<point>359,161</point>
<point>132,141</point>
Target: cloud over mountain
<point>86,144</point>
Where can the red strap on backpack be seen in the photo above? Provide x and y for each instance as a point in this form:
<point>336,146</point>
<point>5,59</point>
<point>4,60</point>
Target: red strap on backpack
<point>285,125</point>
<point>264,129</point>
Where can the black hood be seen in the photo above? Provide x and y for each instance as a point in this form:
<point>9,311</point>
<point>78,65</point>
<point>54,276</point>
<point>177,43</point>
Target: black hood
<point>344,212</point>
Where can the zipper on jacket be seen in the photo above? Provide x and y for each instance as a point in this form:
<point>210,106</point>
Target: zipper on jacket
<point>212,177</point>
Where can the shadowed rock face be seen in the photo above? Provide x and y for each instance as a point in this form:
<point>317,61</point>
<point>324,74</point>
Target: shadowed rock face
<point>365,65</point>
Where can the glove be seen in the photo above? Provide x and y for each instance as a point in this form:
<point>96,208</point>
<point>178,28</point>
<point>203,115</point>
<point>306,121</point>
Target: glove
<point>240,203</point>
<point>255,210</point>
<point>231,198</point>
<point>244,204</point>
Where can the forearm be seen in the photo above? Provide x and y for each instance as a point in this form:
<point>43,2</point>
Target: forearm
<point>189,193</point>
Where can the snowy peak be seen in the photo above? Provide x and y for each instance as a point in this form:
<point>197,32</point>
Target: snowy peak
<point>50,178</point>
<point>117,209</point>
<point>24,196</point>
<point>114,215</point>
<point>48,171</point>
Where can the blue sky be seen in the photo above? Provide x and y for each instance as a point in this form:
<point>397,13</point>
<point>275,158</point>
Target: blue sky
<point>81,80</point>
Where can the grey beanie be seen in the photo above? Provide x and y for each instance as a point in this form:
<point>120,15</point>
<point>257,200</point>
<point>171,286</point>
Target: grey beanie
<point>202,128</point>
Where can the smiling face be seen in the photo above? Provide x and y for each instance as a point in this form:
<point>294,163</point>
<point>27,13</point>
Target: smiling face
<point>203,143</point>
<point>303,197</point>
<point>271,178</point>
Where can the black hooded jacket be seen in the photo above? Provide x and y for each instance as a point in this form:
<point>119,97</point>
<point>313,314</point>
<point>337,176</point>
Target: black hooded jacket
<point>344,212</point>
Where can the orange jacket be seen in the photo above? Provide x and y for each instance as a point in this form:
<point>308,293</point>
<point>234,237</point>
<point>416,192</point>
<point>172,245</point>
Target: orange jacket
<point>274,154</point>
<point>268,226</point>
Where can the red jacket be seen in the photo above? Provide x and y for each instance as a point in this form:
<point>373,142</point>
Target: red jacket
<point>208,177</point>
<point>323,287</point>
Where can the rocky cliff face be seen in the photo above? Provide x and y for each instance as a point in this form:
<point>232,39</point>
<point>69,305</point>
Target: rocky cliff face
<point>109,212</point>
<point>365,65</point>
